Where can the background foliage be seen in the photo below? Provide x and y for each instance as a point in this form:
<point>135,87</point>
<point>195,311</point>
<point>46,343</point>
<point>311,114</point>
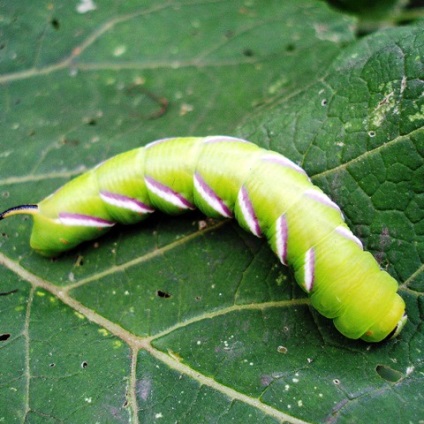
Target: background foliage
<point>187,319</point>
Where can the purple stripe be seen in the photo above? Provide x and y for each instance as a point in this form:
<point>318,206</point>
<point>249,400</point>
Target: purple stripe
<point>208,190</point>
<point>137,206</point>
<point>282,234</point>
<point>168,191</point>
<point>83,220</point>
<point>309,270</point>
<point>249,209</point>
<point>344,232</point>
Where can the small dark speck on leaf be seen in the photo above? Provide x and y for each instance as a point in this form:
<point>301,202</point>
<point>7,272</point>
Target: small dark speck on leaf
<point>290,47</point>
<point>4,337</point>
<point>5,194</point>
<point>55,23</point>
<point>92,122</point>
<point>84,364</point>
<point>163,294</point>
<point>248,52</point>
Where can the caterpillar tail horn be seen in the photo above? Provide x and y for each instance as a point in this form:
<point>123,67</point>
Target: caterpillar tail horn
<point>19,210</point>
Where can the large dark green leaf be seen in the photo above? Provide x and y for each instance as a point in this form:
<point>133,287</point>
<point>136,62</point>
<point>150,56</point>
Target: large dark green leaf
<point>185,319</point>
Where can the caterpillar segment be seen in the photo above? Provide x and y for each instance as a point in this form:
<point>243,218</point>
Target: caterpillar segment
<point>226,177</point>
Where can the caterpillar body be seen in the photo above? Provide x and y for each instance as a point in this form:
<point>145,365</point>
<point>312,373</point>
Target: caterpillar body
<point>268,195</point>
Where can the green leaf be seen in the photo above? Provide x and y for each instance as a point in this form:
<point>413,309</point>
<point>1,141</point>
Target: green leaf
<point>186,319</point>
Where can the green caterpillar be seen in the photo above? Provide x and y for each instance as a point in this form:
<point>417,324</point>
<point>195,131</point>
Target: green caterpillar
<point>224,177</point>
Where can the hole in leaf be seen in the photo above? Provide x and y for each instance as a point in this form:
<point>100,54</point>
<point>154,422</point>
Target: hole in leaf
<point>52,365</point>
<point>4,337</point>
<point>163,294</point>
<point>388,374</point>
<point>84,364</point>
